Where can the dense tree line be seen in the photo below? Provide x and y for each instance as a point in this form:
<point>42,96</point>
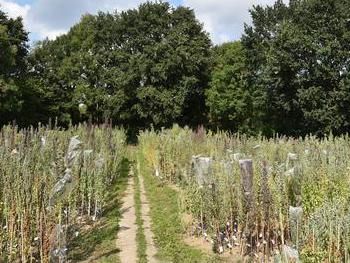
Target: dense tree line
<point>155,65</point>
<point>13,51</point>
<point>140,67</point>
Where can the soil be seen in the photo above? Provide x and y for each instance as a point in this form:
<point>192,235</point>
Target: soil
<point>232,256</point>
<point>126,241</point>
<point>151,250</point>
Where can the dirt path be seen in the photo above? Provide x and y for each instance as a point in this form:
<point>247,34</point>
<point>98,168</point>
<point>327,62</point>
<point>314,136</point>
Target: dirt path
<point>151,250</point>
<point>126,241</point>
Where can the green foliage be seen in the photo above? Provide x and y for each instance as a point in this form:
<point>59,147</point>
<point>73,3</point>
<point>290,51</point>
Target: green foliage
<point>13,43</point>
<point>228,96</point>
<point>137,67</point>
<point>310,256</point>
<point>13,49</point>
<point>154,66</point>
<point>297,57</point>
<point>315,194</point>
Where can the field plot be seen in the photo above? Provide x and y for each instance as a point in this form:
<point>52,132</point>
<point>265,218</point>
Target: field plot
<point>277,199</point>
<point>244,198</point>
<point>52,180</point>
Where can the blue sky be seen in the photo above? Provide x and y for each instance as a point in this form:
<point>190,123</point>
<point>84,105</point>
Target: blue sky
<point>223,19</point>
<point>23,2</point>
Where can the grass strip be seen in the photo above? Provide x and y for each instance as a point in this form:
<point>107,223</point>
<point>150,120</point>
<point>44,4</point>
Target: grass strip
<point>140,236</point>
<point>166,222</point>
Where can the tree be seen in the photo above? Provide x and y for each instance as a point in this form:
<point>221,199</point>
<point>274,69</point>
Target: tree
<point>298,59</point>
<point>58,71</point>
<point>228,97</point>
<point>139,67</point>
<point>13,50</point>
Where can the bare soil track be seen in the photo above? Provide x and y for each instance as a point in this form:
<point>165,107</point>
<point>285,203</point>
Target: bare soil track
<point>151,250</point>
<point>126,241</point>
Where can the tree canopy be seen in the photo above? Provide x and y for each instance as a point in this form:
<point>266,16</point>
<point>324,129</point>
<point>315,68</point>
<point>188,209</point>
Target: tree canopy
<point>155,65</point>
<point>298,60</point>
<point>139,67</point>
<point>13,50</point>
<point>228,96</point>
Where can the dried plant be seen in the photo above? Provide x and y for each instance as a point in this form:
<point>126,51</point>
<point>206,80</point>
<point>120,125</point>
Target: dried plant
<point>48,179</point>
<point>294,181</point>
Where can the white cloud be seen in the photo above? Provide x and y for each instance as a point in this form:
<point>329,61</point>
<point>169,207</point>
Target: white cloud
<point>224,19</point>
<point>15,10</point>
<point>51,18</point>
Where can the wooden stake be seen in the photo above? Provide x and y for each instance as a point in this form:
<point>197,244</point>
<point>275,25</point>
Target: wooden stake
<point>247,183</point>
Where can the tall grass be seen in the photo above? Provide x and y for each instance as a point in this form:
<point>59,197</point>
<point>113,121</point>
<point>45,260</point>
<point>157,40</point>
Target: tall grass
<point>49,180</point>
<point>300,200</point>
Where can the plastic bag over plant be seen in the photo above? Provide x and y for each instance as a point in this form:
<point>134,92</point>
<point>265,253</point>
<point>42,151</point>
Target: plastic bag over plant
<point>66,184</point>
<point>202,168</point>
<point>295,220</point>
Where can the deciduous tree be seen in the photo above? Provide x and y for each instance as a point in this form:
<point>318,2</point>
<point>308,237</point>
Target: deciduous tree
<point>298,59</point>
<point>13,50</point>
<point>143,66</point>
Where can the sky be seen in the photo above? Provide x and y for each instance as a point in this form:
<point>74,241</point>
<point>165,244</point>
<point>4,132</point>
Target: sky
<point>223,19</point>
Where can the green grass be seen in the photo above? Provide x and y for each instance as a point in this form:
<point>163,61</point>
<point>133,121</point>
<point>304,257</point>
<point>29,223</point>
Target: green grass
<point>140,236</point>
<point>98,243</point>
<point>166,222</point>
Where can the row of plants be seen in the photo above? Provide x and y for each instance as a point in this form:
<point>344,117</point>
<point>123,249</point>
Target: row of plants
<point>166,220</point>
<point>51,180</point>
<point>281,198</point>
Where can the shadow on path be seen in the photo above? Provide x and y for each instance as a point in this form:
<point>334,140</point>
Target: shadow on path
<point>97,239</point>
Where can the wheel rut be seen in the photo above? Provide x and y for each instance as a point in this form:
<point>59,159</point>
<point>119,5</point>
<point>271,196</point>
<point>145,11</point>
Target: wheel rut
<point>126,240</point>
<point>127,235</point>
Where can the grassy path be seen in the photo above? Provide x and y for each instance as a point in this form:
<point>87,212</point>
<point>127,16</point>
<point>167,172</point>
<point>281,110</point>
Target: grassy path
<point>166,219</point>
<point>151,250</point>
<point>123,233</point>
<point>135,238</point>
<point>141,223</point>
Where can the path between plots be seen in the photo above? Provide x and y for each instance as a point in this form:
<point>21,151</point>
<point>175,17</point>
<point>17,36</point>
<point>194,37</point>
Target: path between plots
<point>151,250</point>
<point>126,241</point>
